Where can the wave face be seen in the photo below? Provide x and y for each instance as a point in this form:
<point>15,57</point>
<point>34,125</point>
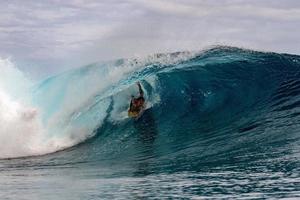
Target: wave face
<point>224,105</point>
<point>223,108</point>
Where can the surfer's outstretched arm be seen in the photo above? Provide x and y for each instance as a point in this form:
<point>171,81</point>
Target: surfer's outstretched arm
<point>140,89</point>
<point>130,106</point>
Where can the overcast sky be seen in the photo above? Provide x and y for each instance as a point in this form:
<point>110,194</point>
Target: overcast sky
<point>46,37</point>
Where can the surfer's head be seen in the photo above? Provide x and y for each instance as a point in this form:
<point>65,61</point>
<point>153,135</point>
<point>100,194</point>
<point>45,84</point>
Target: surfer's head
<point>138,102</point>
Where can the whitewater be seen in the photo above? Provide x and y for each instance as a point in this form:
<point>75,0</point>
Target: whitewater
<point>220,123</point>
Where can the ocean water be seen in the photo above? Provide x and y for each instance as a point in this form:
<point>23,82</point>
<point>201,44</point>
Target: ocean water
<point>220,124</point>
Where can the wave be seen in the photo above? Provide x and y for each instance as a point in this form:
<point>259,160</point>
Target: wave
<point>209,105</point>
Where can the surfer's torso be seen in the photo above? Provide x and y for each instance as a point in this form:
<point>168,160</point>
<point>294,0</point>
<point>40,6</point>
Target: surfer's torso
<point>136,106</point>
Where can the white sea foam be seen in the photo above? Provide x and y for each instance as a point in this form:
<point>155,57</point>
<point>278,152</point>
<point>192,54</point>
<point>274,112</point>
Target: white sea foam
<point>20,128</point>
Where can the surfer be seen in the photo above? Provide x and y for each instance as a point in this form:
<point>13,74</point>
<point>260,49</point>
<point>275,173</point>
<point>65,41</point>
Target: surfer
<point>137,104</point>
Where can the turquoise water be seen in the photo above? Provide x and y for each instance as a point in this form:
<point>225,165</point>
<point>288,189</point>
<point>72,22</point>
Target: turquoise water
<point>222,123</point>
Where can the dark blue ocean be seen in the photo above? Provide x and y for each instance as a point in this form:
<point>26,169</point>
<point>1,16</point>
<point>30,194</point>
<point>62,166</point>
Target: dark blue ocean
<point>223,123</point>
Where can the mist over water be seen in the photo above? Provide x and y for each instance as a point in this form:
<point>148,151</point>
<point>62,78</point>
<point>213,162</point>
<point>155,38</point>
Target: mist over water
<point>223,122</point>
